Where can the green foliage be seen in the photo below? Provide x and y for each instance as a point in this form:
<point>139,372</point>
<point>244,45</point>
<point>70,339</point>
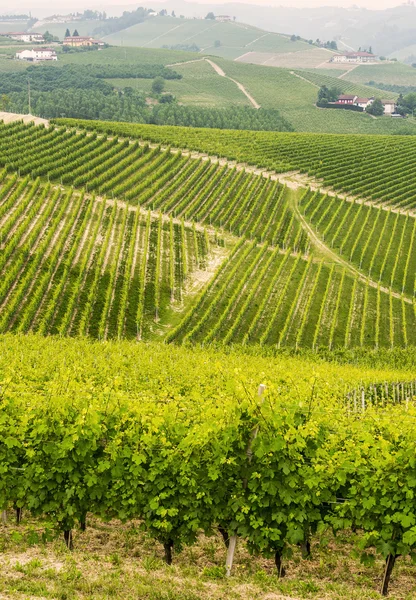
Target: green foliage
<point>328,94</point>
<point>376,108</point>
<point>158,85</point>
<point>354,164</point>
<point>202,449</point>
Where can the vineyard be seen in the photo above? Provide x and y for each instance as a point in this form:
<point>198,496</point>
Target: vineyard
<point>150,243</point>
<point>380,243</point>
<point>181,457</point>
<point>378,168</point>
<point>249,276</point>
<point>72,265</point>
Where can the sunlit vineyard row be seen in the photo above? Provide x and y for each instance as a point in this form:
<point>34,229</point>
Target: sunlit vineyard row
<point>376,167</point>
<point>380,243</point>
<point>272,297</point>
<point>197,190</point>
<point>72,265</point>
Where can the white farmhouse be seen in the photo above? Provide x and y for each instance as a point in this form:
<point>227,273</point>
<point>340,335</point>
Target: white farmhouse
<point>37,54</point>
<point>354,57</point>
<point>389,107</point>
<point>34,38</point>
<point>364,102</point>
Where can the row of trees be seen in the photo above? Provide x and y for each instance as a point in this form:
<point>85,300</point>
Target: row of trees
<point>130,106</point>
<point>91,77</point>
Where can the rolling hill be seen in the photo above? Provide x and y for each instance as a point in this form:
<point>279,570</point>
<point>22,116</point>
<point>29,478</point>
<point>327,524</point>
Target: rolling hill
<point>283,390</point>
<point>330,272</point>
<point>228,39</point>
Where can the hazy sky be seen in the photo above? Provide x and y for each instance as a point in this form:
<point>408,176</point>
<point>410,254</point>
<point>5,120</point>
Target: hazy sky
<point>47,7</point>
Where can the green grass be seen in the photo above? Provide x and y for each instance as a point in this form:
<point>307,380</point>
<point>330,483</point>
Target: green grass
<point>199,86</point>
<point>124,56</point>
<point>346,87</point>
<point>295,99</point>
<point>307,58</point>
<point>118,560</point>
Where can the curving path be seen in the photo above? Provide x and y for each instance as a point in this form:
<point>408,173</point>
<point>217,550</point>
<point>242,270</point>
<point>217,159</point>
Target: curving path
<point>221,73</point>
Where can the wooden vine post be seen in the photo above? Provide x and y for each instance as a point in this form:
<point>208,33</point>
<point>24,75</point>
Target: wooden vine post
<point>232,543</point>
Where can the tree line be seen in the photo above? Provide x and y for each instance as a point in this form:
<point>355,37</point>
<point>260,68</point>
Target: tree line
<point>131,106</point>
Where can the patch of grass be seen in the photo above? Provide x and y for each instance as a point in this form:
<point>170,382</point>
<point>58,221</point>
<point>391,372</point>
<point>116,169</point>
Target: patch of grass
<point>113,560</point>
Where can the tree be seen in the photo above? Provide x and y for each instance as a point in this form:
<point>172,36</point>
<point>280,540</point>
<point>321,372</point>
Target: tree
<point>376,108</point>
<point>67,33</point>
<point>158,85</point>
<point>173,14</point>
<point>293,38</point>
<point>167,99</point>
<point>328,94</point>
<point>75,34</point>
<point>4,102</point>
<point>211,16</point>
<point>48,37</point>
<point>406,104</point>
<point>217,43</point>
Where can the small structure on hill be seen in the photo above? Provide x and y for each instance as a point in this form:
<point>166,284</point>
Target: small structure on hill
<point>78,41</point>
<point>354,57</point>
<point>37,54</point>
<point>26,37</point>
<point>353,100</point>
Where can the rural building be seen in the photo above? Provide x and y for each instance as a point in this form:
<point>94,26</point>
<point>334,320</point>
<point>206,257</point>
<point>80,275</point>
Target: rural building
<point>389,105</point>
<point>223,18</point>
<point>36,38</point>
<point>37,54</point>
<point>346,99</point>
<point>354,57</point>
<point>364,102</point>
<point>78,41</point>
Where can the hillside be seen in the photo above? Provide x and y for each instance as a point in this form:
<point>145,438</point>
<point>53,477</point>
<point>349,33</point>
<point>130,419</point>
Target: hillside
<point>199,84</point>
<point>279,407</point>
<point>229,39</point>
<point>280,242</point>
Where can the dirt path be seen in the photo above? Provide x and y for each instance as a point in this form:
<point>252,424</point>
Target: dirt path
<point>221,73</point>
<point>161,35</point>
<point>257,39</point>
<point>347,72</point>
<point>240,86</point>
<point>11,117</point>
<point>304,79</point>
<point>334,257</point>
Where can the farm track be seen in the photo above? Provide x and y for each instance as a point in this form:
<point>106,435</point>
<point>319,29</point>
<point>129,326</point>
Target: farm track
<point>222,73</point>
<point>334,257</point>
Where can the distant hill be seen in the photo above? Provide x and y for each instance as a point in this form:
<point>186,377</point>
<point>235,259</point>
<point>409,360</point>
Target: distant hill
<point>227,39</point>
<point>387,31</point>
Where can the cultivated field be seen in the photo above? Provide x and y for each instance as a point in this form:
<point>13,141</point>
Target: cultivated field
<point>230,249</point>
<point>304,269</point>
<point>229,39</point>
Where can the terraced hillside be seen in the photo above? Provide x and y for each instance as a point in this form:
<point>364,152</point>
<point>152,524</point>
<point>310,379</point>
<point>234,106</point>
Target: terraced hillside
<point>150,242</point>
